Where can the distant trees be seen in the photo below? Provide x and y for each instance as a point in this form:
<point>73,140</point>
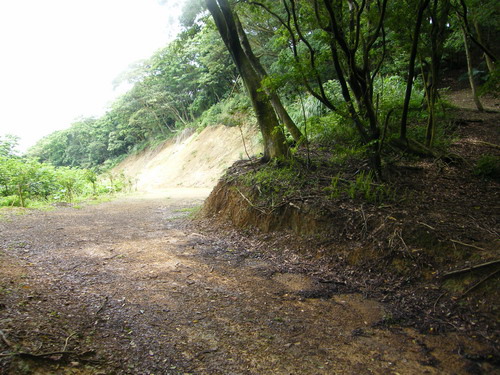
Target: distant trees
<point>352,73</point>
<point>8,144</point>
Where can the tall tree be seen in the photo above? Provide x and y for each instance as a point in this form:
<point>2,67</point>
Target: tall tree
<point>411,66</point>
<point>439,12</point>
<point>275,145</point>
<point>349,32</point>
<point>273,96</point>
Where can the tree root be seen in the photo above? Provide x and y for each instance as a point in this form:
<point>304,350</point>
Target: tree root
<point>414,147</point>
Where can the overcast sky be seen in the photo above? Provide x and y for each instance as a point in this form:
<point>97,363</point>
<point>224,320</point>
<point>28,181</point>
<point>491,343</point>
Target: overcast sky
<point>58,58</point>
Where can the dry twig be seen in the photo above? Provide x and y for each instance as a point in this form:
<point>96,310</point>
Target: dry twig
<point>466,244</point>
<point>471,268</point>
<point>4,338</point>
<point>67,340</point>
<point>480,282</point>
<point>250,203</point>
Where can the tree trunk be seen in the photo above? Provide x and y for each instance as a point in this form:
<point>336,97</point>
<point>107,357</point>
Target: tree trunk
<point>274,98</point>
<point>439,18</point>
<point>275,145</point>
<point>411,68</point>
<point>470,71</point>
<point>489,62</point>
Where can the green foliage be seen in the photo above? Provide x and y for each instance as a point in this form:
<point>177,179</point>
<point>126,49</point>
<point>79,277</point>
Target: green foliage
<point>8,144</point>
<point>443,133</point>
<point>275,182</point>
<point>363,187</point>
<point>492,84</point>
<point>232,111</point>
<point>24,182</point>
<point>488,166</point>
<point>10,201</point>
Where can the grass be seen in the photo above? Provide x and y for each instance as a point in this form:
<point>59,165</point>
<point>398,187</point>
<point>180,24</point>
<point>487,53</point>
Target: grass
<point>191,211</point>
<point>51,205</point>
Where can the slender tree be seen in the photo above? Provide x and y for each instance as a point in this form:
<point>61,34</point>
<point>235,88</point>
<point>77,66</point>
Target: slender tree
<point>273,96</point>
<point>470,71</point>
<point>411,66</point>
<point>275,145</point>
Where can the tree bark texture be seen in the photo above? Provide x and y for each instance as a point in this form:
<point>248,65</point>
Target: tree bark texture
<point>274,98</point>
<point>411,67</point>
<point>275,145</point>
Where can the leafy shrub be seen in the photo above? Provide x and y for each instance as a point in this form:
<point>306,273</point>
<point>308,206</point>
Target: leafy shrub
<point>229,111</point>
<point>332,130</point>
<point>27,181</point>
<point>10,201</point>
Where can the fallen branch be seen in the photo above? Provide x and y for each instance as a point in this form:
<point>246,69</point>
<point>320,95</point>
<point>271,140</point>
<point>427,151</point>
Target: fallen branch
<point>480,282</point>
<point>488,144</point>
<point>4,338</point>
<point>471,268</point>
<point>466,244</point>
<point>31,355</point>
<point>250,203</point>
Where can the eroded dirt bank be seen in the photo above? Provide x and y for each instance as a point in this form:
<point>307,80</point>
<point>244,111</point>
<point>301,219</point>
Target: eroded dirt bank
<point>132,287</point>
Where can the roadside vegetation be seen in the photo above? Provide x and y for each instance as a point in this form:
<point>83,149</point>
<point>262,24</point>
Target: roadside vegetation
<point>26,182</point>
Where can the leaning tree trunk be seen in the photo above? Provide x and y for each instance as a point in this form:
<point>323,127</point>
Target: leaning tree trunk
<point>273,97</point>
<point>275,145</point>
<point>470,71</point>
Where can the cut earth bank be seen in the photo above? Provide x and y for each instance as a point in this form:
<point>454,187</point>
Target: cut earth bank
<point>192,159</point>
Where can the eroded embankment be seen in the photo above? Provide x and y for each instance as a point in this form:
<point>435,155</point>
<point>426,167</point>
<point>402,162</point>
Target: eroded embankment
<point>428,245</point>
<point>191,159</point>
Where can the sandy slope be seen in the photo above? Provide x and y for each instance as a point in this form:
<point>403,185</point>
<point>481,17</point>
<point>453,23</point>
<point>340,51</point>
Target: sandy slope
<point>191,160</point>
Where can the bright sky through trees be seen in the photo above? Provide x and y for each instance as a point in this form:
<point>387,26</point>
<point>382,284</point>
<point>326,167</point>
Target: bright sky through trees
<point>58,58</point>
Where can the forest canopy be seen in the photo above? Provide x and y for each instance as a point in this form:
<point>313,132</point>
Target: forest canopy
<point>358,75</point>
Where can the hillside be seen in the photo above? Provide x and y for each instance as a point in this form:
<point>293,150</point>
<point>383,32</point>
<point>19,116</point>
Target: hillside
<point>190,160</point>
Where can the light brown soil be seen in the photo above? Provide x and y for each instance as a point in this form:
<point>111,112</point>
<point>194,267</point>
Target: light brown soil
<point>131,287</point>
<point>191,159</point>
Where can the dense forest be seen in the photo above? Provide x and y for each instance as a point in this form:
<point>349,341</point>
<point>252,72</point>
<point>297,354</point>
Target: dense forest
<point>362,78</point>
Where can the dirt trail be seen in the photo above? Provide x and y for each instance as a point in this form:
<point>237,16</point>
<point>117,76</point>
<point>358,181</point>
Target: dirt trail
<point>129,287</point>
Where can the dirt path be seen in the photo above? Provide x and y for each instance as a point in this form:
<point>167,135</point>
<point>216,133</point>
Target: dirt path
<point>128,287</point>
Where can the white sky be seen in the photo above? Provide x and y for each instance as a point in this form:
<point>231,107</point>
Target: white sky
<point>58,58</point>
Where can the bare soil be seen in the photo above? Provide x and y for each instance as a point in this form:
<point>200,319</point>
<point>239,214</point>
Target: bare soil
<point>191,159</point>
<point>131,287</point>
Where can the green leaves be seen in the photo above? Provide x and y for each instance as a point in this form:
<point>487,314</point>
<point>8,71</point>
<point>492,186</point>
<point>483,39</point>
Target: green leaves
<point>8,144</point>
<point>24,180</point>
